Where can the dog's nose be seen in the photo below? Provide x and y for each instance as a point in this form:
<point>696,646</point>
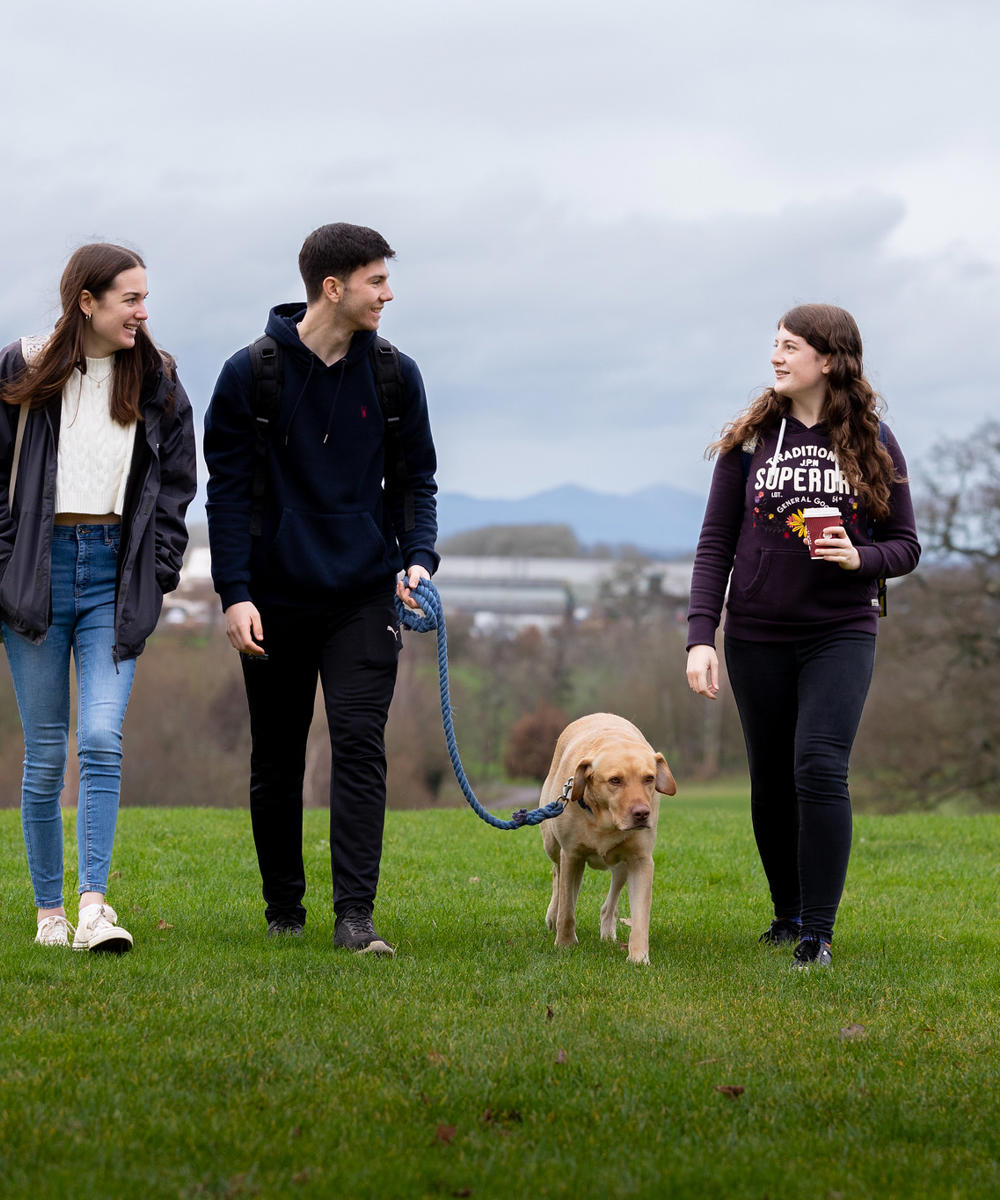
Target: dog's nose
<point>640,814</point>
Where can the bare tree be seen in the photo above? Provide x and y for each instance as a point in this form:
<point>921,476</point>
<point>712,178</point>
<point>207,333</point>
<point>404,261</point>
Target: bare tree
<point>961,516</point>
<point>930,731</point>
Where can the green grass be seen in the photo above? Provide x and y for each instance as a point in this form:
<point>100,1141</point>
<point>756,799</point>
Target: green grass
<point>481,1061</point>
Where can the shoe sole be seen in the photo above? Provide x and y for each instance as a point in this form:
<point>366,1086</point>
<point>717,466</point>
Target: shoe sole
<point>377,947</point>
<point>115,941</point>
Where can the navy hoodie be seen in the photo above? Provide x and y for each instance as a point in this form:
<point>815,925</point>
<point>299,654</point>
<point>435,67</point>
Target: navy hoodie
<point>753,530</point>
<point>329,529</point>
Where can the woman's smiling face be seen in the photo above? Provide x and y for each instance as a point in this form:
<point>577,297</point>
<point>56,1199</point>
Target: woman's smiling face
<point>115,318</point>
<point>800,371</point>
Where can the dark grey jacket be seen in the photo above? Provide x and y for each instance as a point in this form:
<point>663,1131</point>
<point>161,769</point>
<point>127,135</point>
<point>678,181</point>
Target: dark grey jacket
<point>160,486</point>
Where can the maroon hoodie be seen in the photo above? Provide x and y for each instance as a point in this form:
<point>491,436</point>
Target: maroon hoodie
<point>753,529</point>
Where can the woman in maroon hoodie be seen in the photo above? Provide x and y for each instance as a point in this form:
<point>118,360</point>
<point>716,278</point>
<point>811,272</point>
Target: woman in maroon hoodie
<point>801,617</point>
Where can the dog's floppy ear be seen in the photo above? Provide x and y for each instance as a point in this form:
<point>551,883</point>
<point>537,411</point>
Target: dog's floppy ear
<point>664,780</point>
<point>580,779</point>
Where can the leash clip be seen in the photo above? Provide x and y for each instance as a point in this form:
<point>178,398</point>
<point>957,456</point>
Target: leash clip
<point>567,794</point>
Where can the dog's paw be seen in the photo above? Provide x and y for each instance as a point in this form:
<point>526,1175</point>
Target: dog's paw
<point>637,957</point>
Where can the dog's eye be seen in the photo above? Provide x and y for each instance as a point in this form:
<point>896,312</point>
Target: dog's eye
<point>615,780</point>
<point>650,779</point>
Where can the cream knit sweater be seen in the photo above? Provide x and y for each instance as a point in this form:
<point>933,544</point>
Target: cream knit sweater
<point>95,452</point>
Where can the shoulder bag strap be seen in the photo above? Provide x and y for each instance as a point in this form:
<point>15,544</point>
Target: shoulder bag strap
<point>18,438</point>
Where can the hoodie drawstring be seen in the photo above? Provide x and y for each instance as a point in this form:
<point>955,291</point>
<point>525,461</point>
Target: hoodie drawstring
<point>298,398</point>
<point>771,481</point>
<point>777,449</point>
<point>333,402</point>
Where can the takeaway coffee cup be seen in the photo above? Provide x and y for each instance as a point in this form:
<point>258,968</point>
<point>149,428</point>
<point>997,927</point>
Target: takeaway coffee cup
<point>816,520</point>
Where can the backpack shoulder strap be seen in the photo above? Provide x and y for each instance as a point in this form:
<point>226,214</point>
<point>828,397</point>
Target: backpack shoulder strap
<point>388,378</point>
<point>265,403</point>
<point>747,451</point>
<point>391,392</point>
<point>265,368</point>
<point>881,594</point>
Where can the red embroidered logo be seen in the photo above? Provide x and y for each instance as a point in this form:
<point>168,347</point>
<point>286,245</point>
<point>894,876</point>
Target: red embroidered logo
<point>364,411</point>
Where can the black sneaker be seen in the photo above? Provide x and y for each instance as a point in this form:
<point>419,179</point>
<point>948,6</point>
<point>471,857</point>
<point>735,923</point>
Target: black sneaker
<point>353,930</point>
<point>281,926</point>
<point>811,951</point>
<point>781,931</point>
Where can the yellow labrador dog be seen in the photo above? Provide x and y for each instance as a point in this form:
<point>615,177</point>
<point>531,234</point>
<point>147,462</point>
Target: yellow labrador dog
<point>609,822</point>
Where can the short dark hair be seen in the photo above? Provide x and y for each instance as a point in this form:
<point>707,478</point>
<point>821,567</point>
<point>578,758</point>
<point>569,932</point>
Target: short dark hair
<point>338,250</point>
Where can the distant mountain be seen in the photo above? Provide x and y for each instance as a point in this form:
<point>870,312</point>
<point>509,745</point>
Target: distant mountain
<point>657,519</point>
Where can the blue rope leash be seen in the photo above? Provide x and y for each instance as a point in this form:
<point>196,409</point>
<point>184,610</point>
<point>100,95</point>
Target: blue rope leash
<point>429,600</point>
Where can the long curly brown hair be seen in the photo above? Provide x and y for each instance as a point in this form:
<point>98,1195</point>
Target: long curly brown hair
<point>92,268</point>
<point>851,409</point>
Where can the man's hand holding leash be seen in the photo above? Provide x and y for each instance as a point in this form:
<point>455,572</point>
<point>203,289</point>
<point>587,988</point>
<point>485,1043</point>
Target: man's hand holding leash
<point>413,577</point>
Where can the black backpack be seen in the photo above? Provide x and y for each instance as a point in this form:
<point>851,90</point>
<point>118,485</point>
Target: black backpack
<point>265,403</point>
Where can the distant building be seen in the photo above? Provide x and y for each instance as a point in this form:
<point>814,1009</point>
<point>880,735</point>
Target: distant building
<point>501,594</point>
<point>508,594</point>
<point>193,602</point>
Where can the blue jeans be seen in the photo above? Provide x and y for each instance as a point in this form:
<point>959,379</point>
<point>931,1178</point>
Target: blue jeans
<point>84,564</point>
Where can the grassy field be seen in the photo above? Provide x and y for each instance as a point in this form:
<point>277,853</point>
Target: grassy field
<point>482,1062</point>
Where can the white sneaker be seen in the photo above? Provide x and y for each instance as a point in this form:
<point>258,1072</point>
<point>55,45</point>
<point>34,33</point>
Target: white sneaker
<point>96,930</point>
<point>54,931</point>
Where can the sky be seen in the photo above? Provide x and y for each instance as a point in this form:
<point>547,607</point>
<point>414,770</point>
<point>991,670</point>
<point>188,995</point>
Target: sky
<point>600,210</point>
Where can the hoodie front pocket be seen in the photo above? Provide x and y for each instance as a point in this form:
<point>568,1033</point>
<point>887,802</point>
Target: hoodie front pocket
<point>329,550</point>
<point>779,577</point>
<point>789,585</point>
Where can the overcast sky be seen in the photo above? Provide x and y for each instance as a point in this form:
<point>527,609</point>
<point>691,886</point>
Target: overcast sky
<point>599,209</point>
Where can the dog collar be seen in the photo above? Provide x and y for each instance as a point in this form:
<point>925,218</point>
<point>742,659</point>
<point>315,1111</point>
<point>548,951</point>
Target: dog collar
<point>567,794</point>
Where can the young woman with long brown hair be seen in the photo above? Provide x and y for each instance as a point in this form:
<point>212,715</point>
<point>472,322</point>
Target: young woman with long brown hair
<point>801,613</point>
<point>97,467</point>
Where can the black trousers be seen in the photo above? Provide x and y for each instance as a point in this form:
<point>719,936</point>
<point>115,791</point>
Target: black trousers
<point>800,705</point>
<point>353,651</point>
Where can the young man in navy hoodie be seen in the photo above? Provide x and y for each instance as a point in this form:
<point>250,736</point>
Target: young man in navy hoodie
<point>306,570</point>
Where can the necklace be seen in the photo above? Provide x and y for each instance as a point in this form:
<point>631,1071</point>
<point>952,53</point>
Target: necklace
<point>95,379</point>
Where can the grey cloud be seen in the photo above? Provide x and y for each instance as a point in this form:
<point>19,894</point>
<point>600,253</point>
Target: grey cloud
<point>599,210</point>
